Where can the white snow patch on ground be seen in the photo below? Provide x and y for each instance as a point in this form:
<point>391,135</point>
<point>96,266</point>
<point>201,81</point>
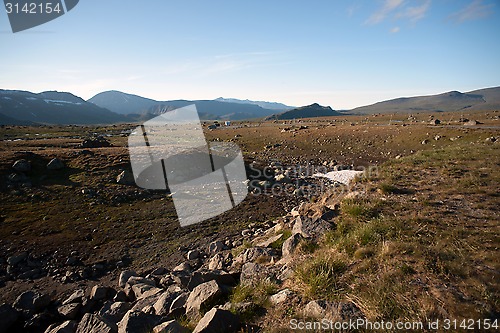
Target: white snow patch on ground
<point>343,176</point>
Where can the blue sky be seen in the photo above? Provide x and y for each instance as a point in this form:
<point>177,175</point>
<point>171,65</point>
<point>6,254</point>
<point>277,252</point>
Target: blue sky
<point>338,53</point>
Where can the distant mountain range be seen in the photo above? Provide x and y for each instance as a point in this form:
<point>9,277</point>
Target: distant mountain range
<point>477,100</point>
<point>309,111</point>
<point>52,107</point>
<point>262,104</point>
<point>145,108</point>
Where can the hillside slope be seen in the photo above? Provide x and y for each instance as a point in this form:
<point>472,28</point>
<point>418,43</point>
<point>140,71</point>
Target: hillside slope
<point>483,99</point>
<point>52,107</point>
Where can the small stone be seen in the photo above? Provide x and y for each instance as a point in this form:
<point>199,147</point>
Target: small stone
<point>69,311</point>
<point>204,295</point>
<point>215,247</point>
<point>217,320</point>
<point>55,164</point>
<point>290,245</point>
<point>124,276</point>
<point>16,259</point>
<point>281,296</point>
<point>92,323</point>
<point>22,165</point>
<point>193,254</point>
<point>99,293</point>
<point>172,326</point>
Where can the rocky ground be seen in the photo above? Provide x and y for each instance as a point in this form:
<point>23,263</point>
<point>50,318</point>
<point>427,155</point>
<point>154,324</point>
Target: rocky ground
<point>85,250</point>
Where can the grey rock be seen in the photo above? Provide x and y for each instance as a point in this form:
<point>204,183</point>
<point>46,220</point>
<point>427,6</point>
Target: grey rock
<point>75,297</point>
<point>202,276</point>
<point>142,290</point>
<point>162,305</point>
<point>182,267</point>
<point>217,321</point>
<point>69,311</point>
<point>290,245</point>
<point>269,241</point>
<point>203,296</point>
<point>252,273</point>
<point>254,253</point>
<point>172,326</point>
<point>16,259</point>
<point>68,326</point>
<point>316,309</point>
<point>55,164</point>
<point>216,262</point>
<point>22,165</point>
<point>179,302</point>
<point>124,276</point>
<point>99,293</point>
<point>310,228</point>
<point>215,247</point>
<point>8,316</point>
<point>146,303</point>
<point>193,254</point>
<point>140,280</point>
<point>281,297</point>
<point>114,312</point>
<point>32,301</point>
<point>125,178</point>
<point>138,322</point>
<point>121,296</point>
<point>92,323</point>
<point>159,271</point>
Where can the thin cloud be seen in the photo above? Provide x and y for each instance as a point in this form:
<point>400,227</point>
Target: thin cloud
<point>416,13</point>
<point>380,15</point>
<point>395,30</point>
<point>473,11</point>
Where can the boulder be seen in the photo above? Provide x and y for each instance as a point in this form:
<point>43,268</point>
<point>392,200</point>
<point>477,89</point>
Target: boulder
<point>8,316</point>
<point>68,326</point>
<point>124,276</point>
<point>92,323</point>
<point>32,301</point>
<point>316,309</point>
<point>138,322</point>
<point>193,254</point>
<point>16,259</point>
<point>310,228</point>
<point>171,326</point>
<point>216,262</point>
<point>290,245</point>
<point>142,290</point>
<point>99,293</point>
<point>22,165</point>
<point>203,296</point>
<point>114,312</point>
<point>267,242</point>
<point>215,247</point>
<point>55,164</point>
<point>281,297</point>
<point>179,302</point>
<point>69,311</point>
<point>162,305</point>
<point>216,321</point>
<point>203,275</point>
<point>252,273</point>
<point>75,297</point>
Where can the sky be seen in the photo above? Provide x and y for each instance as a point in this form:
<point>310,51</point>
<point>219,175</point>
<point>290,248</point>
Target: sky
<point>341,53</point>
